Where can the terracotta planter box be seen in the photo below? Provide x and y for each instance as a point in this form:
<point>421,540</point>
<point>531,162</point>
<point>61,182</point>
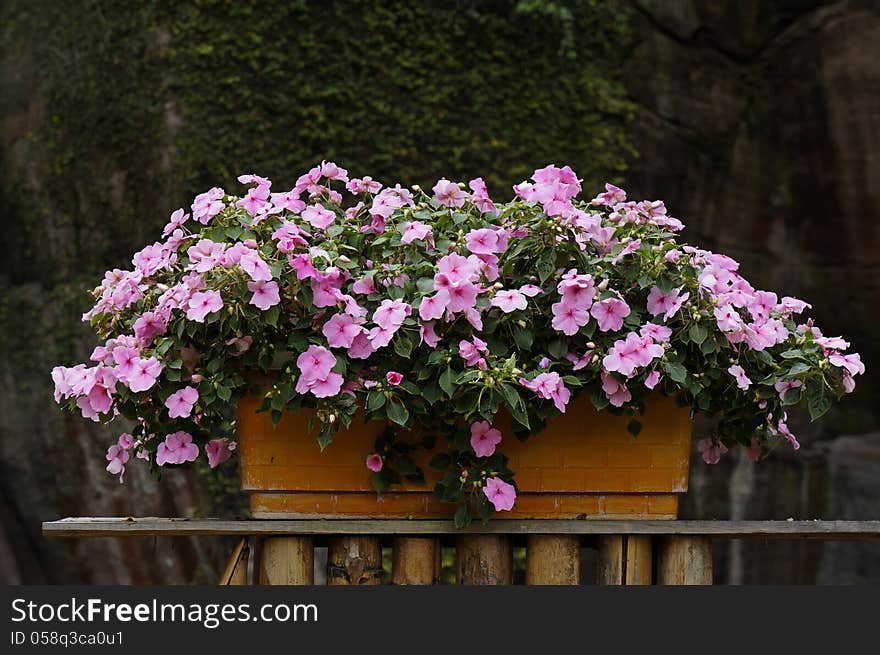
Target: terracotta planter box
<point>585,464</point>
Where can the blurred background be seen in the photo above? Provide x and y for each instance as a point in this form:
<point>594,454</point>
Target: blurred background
<point>757,121</point>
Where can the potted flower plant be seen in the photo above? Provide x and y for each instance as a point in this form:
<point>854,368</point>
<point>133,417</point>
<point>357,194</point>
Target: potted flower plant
<point>443,343</point>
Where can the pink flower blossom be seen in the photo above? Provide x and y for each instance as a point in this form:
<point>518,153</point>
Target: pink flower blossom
<point>316,374</point>
<point>449,193</point>
<point>612,196</point>
<point>484,438</point>
<point>180,403</point>
<point>501,494</point>
<point>470,351</point>
<point>480,196</point>
<point>205,255</point>
<point>341,331</point>
<point>255,267</point>
<point>318,216</point>
<point>375,462</point>
<point>117,457</point>
<point>577,289</point>
<point>711,450</point>
<point>728,318</point>
<point>433,307</point>
<point>530,290</point>
<point>484,241</point>
<point>177,219</point>
<point>148,326</point>
<point>364,286</point>
<point>218,451</point>
<point>203,303</point>
<point>177,448</point>
<point>428,334</point>
<point>852,363</point>
<point>417,231</point>
<point>659,333</point>
<point>265,294</point>
<point>391,314</point>
<point>207,205</point>
<point>550,387</point>
<point>609,313</point>
<point>739,374</point>
<point>393,378</point>
<point>652,379</point>
<point>302,264</point>
<point>783,386</point>
<point>364,185</point>
<point>615,391</point>
<point>665,303</point>
<point>568,318</point>
<point>509,301</point>
<point>143,374</point>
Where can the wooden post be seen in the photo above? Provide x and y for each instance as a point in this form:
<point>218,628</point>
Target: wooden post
<point>685,560</point>
<point>354,561</point>
<point>236,569</point>
<point>483,559</point>
<point>625,560</point>
<point>553,560</point>
<point>414,561</point>
<point>286,561</point>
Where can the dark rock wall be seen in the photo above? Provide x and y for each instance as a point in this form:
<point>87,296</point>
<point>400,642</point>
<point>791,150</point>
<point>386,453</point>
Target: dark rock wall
<point>758,122</point>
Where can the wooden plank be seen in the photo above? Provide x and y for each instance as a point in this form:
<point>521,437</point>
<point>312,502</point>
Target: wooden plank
<point>485,559</point>
<point>287,561</point>
<point>354,560</point>
<point>639,560</point>
<point>415,561</point>
<point>236,569</point>
<point>684,560</point>
<point>140,527</point>
<point>553,559</point>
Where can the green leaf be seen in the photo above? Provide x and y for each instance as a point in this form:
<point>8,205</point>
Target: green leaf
<point>515,404</point>
<point>523,338</point>
<point>676,372</point>
<point>557,348</point>
<point>447,381</point>
<point>224,393</point>
<point>792,396</point>
<point>397,412</point>
<point>325,436</point>
<point>634,427</point>
<point>271,316</point>
<point>403,345</point>
<point>379,483</point>
<point>792,354</point>
<point>462,517</point>
<point>546,265</point>
<point>697,333</point>
<point>375,400</point>
<point>819,405</point>
<point>797,369</point>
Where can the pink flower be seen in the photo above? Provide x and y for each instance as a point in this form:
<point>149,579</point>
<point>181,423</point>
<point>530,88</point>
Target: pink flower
<point>318,216</point>
<point>393,378</point>
<point>218,451</point>
<point>177,219</point>
<point>622,356</point>
<point>615,391</point>
<point>117,457</point>
<point>375,462</point>
<point>417,231</point>
<point>255,267</point>
<point>364,286</point>
<point>149,326</point>
<point>203,303</point>
<point>470,351</point>
<point>550,387</point>
<point>302,264</point>
<point>609,313</point>
<point>181,402</point>
<point>501,494</point>
<point>316,374</point>
<point>484,438</point>
<point>364,185</point>
<point>143,374</point>
<point>852,363</point>
<point>509,301</point>
<point>449,194</point>
<point>577,289</point>
<point>265,294</point>
<point>341,331</point>
<point>207,205</point>
<point>177,448</point>
<point>742,380</point>
<point>665,303</point>
<point>433,307</point>
<point>784,386</point>
<point>530,290</point>
<point>659,333</point>
<point>484,241</point>
<point>728,318</point>
<point>428,334</point>
<point>652,379</point>
<point>568,318</point>
<point>391,314</point>
<point>205,255</point>
<point>711,450</point>
<point>480,196</point>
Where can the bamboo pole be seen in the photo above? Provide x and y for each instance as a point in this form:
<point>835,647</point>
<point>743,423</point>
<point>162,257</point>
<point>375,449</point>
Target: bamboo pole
<point>354,560</point>
<point>286,561</point>
<point>415,561</point>
<point>625,560</point>
<point>237,567</point>
<point>483,560</point>
<point>553,560</point>
<point>685,560</point>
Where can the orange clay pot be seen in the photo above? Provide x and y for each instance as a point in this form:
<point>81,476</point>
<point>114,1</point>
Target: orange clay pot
<point>584,464</point>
